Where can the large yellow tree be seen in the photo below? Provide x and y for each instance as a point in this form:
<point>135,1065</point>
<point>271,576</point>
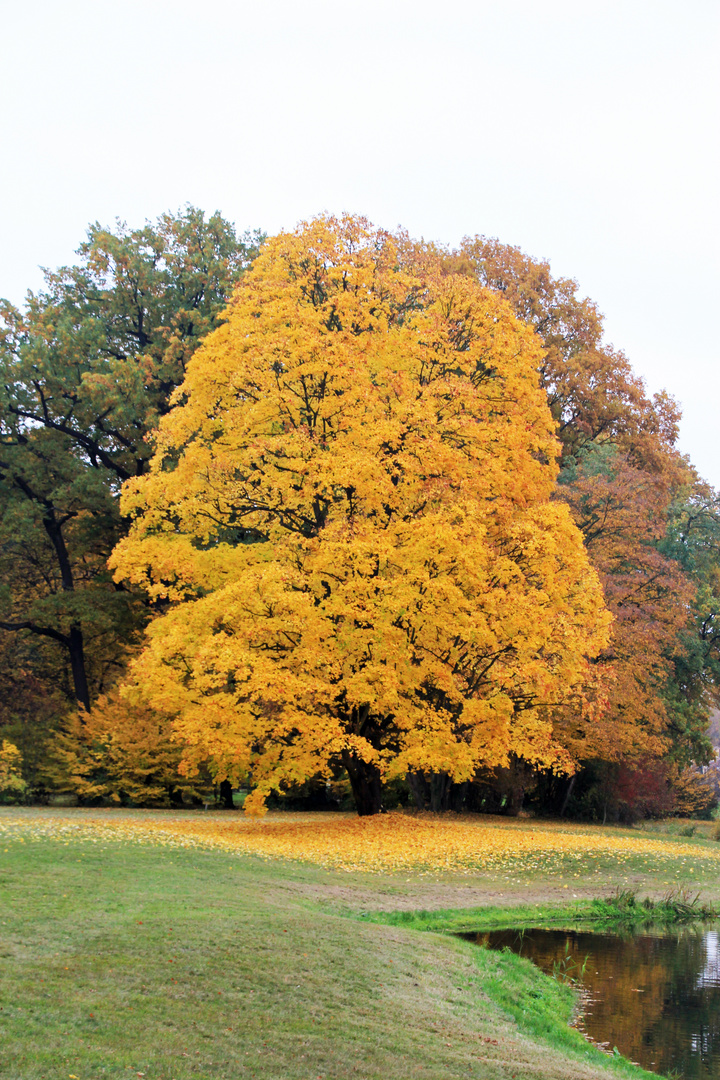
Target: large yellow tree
<point>348,528</point>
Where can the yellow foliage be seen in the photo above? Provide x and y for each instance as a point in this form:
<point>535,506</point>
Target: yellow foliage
<point>694,793</point>
<point>12,784</point>
<point>349,510</point>
<point>119,751</point>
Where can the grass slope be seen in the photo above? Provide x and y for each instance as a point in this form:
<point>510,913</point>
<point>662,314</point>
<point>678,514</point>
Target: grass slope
<point>127,959</point>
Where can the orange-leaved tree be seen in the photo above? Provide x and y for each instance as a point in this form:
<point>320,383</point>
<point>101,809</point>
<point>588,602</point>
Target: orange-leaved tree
<point>348,527</point>
<point>622,511</point>
<point>645,519</point>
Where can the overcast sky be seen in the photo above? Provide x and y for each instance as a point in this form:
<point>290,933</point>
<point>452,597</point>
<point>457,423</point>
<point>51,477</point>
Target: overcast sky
<point>585,132</point>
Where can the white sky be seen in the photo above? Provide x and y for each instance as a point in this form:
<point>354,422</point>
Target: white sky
<point>584,131</point>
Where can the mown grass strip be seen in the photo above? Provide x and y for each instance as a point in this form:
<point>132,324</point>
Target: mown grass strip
<point>185,964</point>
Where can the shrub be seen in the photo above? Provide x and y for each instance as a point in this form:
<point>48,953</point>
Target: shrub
<point>12,785</point>
<point>694,794</point>
<point>122,753</point>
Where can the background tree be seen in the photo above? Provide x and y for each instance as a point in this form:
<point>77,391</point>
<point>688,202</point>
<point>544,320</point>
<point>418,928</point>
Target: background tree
<point>86,369</point>
<point>628,489</point>
<point>349,510</point>
<point>693,541</point>
<point>622,511</point>
<point>592,390</point>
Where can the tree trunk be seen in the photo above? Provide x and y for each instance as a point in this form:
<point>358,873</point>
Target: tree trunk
<point>456,796</point>
<point>365,784</point>
<point>73,641</point>
<point>76,647</point>
<point>439,791</point>
<point>77,664</point>
<point>226,795</point>
<point>515,799</point>
<point>568,793</point>
<point>416,783</point>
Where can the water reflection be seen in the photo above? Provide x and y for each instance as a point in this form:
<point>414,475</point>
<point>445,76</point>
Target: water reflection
<point>656,998</point>
<point>710,975</point>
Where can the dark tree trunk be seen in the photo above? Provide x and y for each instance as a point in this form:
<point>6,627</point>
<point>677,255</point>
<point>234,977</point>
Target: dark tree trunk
<point>226,795</point>
<point>438,794</point>
<point>439,791</point>
<point>365,784</point>
<point>416,783</point>
<point>73,641</point>
<point>568,793</point>
<point>456,797</point>
<point>513,780</point>
<point>76,647</point>
<point>515,800</point>
<point>77,664</point>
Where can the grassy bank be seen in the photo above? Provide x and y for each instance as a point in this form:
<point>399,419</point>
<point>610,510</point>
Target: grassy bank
<point>620,911</point>
<point>126,955</point>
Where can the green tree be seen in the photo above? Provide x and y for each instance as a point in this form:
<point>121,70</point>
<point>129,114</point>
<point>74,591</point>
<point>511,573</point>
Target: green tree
<point>693,541</point>
<point>86,369</point>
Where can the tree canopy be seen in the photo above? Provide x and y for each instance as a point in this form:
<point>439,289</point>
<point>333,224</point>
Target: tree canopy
<point>349,513</point>
<point>86,369</point>
<point>646,519</point>
<point>353,536</point>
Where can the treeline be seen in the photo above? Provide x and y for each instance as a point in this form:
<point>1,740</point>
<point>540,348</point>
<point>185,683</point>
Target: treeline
<point>93,363</point>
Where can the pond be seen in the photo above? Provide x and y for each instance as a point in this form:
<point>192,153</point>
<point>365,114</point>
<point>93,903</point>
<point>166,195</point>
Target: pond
<point>656,998</point>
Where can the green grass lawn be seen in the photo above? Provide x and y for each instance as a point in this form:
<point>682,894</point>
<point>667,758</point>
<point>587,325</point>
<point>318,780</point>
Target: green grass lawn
<point>126,959</point>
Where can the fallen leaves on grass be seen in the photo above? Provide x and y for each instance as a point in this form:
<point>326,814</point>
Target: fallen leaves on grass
<point>389,842</point>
